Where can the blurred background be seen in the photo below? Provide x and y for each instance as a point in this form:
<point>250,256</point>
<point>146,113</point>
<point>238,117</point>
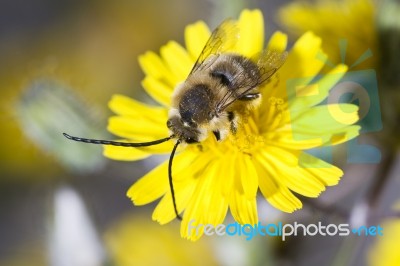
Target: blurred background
<point>62,203</point>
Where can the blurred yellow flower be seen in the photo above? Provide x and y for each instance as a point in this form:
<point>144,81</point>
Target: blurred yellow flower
<point>135,241</point>
<point>349,20</point>
<point>267,152</point>
<point>385,251</point>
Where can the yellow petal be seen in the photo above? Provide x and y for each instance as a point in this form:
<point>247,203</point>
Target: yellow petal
<point>320,122</point>
<point>183,190</point>
<point>248,174</point>
<point>216,212</point>
<point>333,21</point>
<point>137,129</point>
<point>154,66</point>
<point>155,183</point>
<point>158,90</point>
<point>151,186</point>
<point>196,36</point>
<point>384,251</point>
<point>185,181</point>
<point>325,172</point>
<point>124,153</point>
<point>125,106</point>
<point>345,114</point>
<point>293,175</point>
<point>348,134</point>
<point>251,26</point>
<point>199,202</point>
<point>177,59</point>
<point>191,229</point>
<point>302,61</point>
<point>217,209</point>
<point>271,186</point>
<point>284,200</point>
<point>301,65</point>
<point>229,174</point>
<point>303,94</point>
<point>278,42</point>
<point>285,139</point>
<point>212,205</point>
<point>243,210</point>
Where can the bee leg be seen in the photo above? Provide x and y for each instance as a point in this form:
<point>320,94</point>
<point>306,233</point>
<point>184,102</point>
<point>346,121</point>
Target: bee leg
<point>232,120</point>
<point>249,97</point>
<point>217,135</point>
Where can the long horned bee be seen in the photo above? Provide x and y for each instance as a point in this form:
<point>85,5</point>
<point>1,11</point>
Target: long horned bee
<point>221,86</point>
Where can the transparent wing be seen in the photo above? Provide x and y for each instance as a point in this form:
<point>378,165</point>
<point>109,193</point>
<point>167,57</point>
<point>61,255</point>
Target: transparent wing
<point>222,39</point>
<point>268,62</point>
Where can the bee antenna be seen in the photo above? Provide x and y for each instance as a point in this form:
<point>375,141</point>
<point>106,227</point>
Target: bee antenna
<point>171,185</point>
<point>117,143</point>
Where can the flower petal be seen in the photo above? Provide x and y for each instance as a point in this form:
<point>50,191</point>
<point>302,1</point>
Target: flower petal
<point>217,209</point>
<point>271,186</point>
<point>302,62</point>
<point>243,210</point>
<point>249,177</point>
<point>137,129</point>
<point>323,125</point>
<point>251,26</point>
<point>185,181</point>
<point>155,183</point>
<point>278,42</point>
<point>324,122</point>
<point>153,66</point>
<point>229,174</point>
<point>151,186</point>
<point>199,202</point>
<point>158,90</point>
<point>196,36</point>
<point>164,212</point>
<point>325,172</point>
<point>303,94</point>
<point>215,206</point>
<point>293,175</point>
<point>124,154</point>
<point>125,106</point>
<point>301,65</point>
<point>325,118</point>
<point>177,59</point>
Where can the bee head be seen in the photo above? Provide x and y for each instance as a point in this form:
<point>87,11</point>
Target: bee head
<point>184,131</point>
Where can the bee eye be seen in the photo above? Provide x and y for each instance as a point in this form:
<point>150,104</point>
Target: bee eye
<point>169,123</point>
<point>190,140</point>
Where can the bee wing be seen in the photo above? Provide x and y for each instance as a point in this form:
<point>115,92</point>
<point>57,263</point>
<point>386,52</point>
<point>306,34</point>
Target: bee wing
<point>223,38</point>
<point>268,62</point>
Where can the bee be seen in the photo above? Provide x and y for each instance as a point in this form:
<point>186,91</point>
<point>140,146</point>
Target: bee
<point>219,89</point>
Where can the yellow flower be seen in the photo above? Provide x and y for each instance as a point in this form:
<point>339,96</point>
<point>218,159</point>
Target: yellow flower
<point>385,251</point>
<point>267,152</point>
<point>349,20</point>
<point>135,241</point>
